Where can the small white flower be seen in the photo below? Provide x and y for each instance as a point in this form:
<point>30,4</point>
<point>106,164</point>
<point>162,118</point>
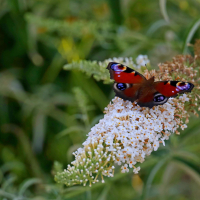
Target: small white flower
<point>136,170</point>
<point>156,145</point>
<point>117,161</point>
<point>124,168</point>
<point>183,126</point>
<point>131,163</point>
<point>163,141</point>
<point>184,98</point>
<point>142,60</point>
<point>119,154</point>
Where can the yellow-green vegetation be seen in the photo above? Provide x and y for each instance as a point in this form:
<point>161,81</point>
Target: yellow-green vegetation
<point>54,87</point>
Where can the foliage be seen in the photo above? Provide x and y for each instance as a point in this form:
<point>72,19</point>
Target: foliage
<point>97,69</point>
<point>42,117</point>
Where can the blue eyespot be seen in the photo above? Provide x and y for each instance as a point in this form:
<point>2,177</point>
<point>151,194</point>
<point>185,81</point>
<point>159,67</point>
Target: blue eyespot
<point>121,86</point>
<point>113,66</point>
<point>159,98</point>
<point>117,67</point>
<point>186,87</point>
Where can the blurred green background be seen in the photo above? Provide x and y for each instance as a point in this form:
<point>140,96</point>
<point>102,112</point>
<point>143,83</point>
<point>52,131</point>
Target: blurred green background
<point>46,112</point>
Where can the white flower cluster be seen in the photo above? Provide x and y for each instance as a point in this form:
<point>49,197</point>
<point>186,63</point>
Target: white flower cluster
<point>132,132</point>
<point>125,136</point>
<point>141,60</point>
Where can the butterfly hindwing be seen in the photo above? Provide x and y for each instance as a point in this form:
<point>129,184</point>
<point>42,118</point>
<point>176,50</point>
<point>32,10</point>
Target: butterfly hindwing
<point>152,99</point>
<point>126,91</point>
<point>123,74</point>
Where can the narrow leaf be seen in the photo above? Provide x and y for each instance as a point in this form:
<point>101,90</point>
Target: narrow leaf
<point>70,130</point>
<point>190,34</point>
<point>155,26</point>
<point>27,184</point>
<point>104,193</point>
<point>151,177</point>
<point>163,9</point>
<point>188,170</point>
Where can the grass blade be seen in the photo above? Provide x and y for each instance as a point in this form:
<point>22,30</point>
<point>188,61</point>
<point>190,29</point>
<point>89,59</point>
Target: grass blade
<point>155,26</point>
<point>70,130</point>
<point>104,193</point>
<point>27,184</point>
<point>188,170</point>
<point>163,9</point>
<point>157,167</point>
<point>190,34</point>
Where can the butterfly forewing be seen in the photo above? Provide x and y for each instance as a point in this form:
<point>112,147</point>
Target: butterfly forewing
<point>172,88</point>
<point>123,74</point>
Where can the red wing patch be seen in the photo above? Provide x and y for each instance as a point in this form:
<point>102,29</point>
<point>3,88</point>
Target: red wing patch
<point>131,92</point>
<point>123,74</point>
<point>146,99</point>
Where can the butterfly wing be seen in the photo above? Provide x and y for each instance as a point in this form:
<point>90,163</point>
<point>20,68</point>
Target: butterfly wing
<point>161,92</point>
<point>127,81</point>
<point>172,88</point>
<point>123,74</point>
<point>126,91</point>
<point>152,99</point>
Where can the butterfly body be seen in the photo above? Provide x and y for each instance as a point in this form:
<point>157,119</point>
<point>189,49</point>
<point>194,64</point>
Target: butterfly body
<point>133,86</point>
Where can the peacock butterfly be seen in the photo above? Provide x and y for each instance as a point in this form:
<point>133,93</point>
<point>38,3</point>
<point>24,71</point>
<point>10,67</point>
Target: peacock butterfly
<point>133,86</point>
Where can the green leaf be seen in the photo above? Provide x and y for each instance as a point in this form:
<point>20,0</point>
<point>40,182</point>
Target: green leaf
<point>188,156</point>
<point>39,130</point>
<point>192,134</point>
<point>91,68</point>
<point>190,34</point>
<point>27,184</point>
<point>189,170</point>
<point>96,119</point>
<point>6,194</point>
<point>104,193</point>
<point>156,25</point>
<point>7,183</point>
<point>54,68</point>
<point>70,130</point>
<point>13,165</point>
<point>91,88</point>
<point>163,9</point>
<point>152,174</point>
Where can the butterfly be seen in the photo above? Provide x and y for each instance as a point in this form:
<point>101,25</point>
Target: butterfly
<point>133,86</point>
